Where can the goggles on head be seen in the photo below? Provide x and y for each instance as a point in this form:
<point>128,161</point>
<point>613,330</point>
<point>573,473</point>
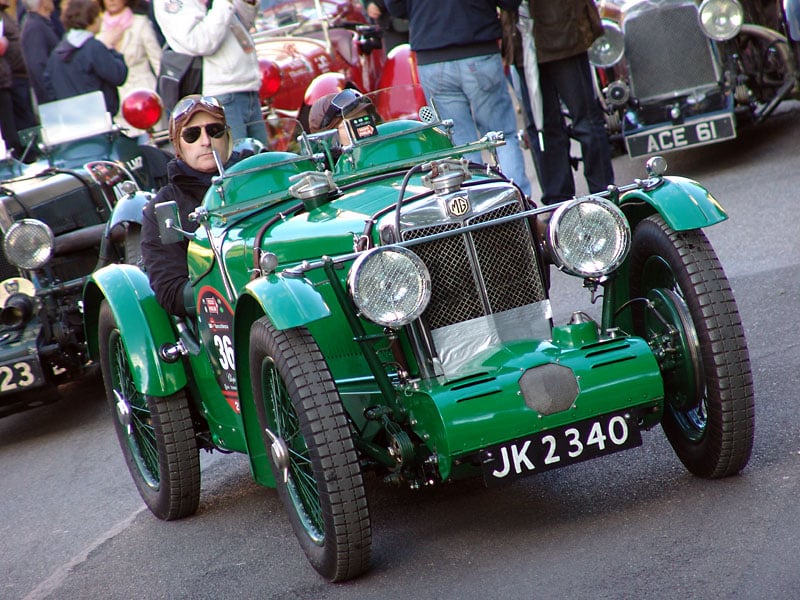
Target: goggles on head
<point>342,104</point>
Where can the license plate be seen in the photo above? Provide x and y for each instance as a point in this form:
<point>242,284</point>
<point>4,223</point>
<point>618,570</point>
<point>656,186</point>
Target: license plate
<point>560,447</point>
<point>20,374</point>
<point>678,137</point>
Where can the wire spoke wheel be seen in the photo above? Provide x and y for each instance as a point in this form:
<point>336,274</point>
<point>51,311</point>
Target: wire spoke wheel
<point>156,434</point>
<point>323,494</point>
<point>692,324</point>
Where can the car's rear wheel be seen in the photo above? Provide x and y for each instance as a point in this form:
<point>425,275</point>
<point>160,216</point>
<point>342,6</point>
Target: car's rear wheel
<point>156,434</point>
<point>314,458</point>
<point>692,323</point>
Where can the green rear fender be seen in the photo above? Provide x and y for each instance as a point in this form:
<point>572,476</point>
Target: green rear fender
<point>143,324</point>
<point>683,203</point>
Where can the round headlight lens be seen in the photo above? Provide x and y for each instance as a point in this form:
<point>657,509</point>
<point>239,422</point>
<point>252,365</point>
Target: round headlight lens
<point>391,286</point>
<point>721,19</point>
<point>607,50</point>
<point>589,237</point>
<point>29,244</point>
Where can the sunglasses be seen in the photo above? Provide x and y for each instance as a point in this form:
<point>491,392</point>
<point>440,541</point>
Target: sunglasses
<point>214,130</point>
<point>183,107</point>
<point>342,104</point>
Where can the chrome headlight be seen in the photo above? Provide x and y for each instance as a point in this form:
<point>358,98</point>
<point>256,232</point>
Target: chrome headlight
<point>721,19</point>
<point>607,50</point>
<point>589,237</point>
<point>391,286</point>
<point>29,244</point>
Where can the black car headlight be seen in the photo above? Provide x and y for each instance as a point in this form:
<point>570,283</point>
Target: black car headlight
<point>721,19</point>
<point>607,50</point>
<point>29,244</point>
<point>391,286</point>
<point>589,237</point>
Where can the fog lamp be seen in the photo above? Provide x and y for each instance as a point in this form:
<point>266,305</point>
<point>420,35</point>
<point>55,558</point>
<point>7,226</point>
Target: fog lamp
<point>589,237</point>
<point>391,286</point>
<point>721,19</point>
<point>29,244</point>
<point>607,50</point>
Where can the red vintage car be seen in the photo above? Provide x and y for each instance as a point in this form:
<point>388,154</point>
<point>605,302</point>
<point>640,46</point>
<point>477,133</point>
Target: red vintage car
<point>308,48</point>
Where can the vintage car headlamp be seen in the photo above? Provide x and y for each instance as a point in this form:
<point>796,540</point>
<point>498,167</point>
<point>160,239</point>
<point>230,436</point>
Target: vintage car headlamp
<point>721,19</point>
<point>607,50</point>
<point>29,244</point>
<point>589,237</point>
<point>390,285</point>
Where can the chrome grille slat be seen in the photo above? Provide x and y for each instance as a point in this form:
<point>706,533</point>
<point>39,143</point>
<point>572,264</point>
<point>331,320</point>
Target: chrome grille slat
<point>501,257</point>
<point>667,53</point>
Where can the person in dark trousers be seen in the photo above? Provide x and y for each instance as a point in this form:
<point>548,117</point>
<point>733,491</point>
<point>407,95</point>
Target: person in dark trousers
<point>8,129</point>
<point>22,101</point>
<point>80,63</point>
<point>39,38</point>
<point>457,45</point>
<point>197,128</point>
<point>394,30</point>
<point>563,32</point>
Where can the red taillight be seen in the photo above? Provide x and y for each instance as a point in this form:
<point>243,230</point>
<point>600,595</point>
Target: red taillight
<point>270,79</point>
<point>142,108</point>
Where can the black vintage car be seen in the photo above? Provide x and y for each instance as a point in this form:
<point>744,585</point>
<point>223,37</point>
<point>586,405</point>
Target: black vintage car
<point>55,230</point>
<point>673,74</point>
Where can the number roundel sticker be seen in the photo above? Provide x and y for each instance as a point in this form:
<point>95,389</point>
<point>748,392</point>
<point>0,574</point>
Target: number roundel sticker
<point>215,318</point>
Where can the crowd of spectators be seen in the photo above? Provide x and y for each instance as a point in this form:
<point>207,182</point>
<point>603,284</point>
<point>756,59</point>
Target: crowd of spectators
<point>56,49</point>
<point>62,48</point>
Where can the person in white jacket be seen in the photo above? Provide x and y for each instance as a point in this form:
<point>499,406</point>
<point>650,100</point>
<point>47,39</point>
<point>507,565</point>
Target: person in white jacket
<point>220,34</point>
<point>133,36</point>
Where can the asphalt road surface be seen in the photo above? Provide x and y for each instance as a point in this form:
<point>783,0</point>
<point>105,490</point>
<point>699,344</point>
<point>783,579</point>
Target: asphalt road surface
<point>631,525</point>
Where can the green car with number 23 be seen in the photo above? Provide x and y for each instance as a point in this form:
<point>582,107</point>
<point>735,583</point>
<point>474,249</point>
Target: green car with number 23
<point>390,311</point>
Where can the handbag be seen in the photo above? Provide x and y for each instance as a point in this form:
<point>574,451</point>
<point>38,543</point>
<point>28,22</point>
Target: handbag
<point>180,75</point>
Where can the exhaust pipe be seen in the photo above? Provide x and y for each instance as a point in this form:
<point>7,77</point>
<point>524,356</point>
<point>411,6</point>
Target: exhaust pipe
<point>17,311</point>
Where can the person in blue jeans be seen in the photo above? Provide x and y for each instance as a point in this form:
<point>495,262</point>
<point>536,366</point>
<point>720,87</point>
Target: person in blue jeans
<point>461,70</point>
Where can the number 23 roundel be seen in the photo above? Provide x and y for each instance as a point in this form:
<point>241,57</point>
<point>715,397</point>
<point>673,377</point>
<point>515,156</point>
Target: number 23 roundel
<point>215,319</point>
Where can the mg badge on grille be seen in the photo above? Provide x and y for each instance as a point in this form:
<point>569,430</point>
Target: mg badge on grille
<point>458,206</point>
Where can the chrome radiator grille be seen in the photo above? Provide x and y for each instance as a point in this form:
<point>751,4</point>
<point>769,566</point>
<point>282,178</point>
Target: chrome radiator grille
<point>667,53</point>
<point>481,272</point>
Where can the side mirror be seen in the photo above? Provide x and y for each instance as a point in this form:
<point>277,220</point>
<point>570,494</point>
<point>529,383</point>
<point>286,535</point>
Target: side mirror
<point>169,222</point>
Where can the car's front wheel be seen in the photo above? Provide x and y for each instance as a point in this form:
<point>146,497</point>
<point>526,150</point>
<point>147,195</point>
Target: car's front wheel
<point>688,315</point>
<point>314,458</point>
<point>156,434</point>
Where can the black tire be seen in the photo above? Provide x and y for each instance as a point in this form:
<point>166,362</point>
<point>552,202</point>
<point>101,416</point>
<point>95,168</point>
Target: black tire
<point>133,245</point>
<point>694,327</point>
<point>156,434</point>
<point>324,496</point>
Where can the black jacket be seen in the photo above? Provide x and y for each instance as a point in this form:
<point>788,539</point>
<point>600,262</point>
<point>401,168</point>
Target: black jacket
<point>73,71</point>
<point>451,29</point>
<point>166,263</point>
<point>39,38</point>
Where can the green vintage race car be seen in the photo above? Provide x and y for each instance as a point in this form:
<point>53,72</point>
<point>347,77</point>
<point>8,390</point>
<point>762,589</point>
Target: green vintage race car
<point>386,307</point>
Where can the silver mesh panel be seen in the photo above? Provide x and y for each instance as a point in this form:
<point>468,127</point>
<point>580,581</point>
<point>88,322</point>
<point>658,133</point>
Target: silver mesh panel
<point>667,53</point>
<point>478,273</point>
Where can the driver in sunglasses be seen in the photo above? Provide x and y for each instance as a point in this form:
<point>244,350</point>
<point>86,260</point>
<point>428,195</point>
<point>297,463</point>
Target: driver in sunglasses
<point>198,130</point>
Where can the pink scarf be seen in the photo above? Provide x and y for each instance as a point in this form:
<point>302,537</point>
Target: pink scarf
<point>122,20</point>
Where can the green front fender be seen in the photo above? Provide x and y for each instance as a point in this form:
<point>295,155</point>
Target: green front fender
<point>143,324</point>
<point>287,301</point>
<point>683,203</point>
